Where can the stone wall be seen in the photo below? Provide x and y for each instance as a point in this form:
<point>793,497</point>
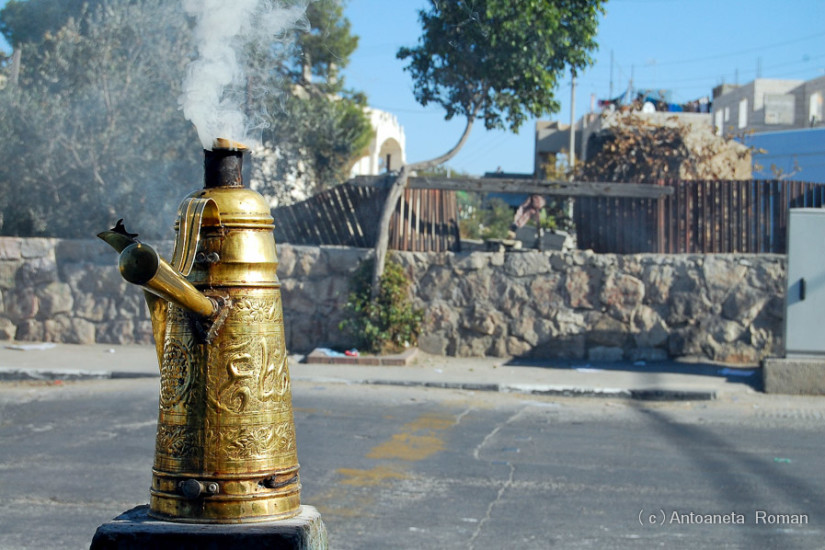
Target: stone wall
<point>575,305</point>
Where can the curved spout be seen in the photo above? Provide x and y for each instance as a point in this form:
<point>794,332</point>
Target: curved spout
<point>141,265</point>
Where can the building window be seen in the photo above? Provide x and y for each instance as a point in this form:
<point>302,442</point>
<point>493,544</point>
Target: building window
<point>815,108</point>
<point>727,114</point>
<point>743,113</point>
<point>718,122</point>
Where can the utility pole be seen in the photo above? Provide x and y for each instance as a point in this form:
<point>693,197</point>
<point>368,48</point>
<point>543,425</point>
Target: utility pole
<point>568,204</point>
<point>572,150</point>
<point>14,73</point>
<point>630,84</point>
<point>610,95</point>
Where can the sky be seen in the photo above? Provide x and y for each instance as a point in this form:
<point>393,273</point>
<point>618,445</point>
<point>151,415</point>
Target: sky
<point>685,46</point>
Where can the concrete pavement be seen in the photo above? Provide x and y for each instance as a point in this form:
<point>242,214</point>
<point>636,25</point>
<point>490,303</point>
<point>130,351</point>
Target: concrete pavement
<point>665,380</point>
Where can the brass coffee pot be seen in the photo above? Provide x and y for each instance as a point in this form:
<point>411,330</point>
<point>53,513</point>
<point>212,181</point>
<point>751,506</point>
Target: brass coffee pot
<point>225,448</point>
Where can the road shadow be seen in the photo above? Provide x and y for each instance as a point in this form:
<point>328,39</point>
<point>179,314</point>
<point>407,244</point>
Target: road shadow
<point>743,478</point>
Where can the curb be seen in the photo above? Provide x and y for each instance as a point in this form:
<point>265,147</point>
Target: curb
<point>16,375</point>
<point>648,394</point>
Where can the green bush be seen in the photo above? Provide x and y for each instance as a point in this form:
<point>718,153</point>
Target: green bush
<point>387,324</point>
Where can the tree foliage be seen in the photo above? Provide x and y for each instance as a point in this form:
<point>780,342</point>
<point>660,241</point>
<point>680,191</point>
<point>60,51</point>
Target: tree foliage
<point>500,59</point>
<point>94,132</point>
<point>388,323</point>
<point>319,129</point>
<point>329,43</point>
<point>28,21</point>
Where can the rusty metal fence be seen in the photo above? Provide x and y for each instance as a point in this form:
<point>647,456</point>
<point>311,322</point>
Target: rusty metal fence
<point>699,217</point>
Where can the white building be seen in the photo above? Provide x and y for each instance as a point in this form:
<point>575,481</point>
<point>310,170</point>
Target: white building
<point>768,105</point>
<point>387,150</point>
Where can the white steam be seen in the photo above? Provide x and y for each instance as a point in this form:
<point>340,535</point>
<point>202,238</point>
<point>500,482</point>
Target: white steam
<point>215,88</point>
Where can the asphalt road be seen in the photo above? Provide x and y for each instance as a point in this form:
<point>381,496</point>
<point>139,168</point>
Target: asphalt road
<point>392,467</point>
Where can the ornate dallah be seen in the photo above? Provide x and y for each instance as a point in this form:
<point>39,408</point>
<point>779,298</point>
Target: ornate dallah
<point>225,449</point>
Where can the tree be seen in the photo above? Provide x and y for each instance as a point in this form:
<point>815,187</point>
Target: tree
<point>93,128</point>
<point>494,60</point>
<point>317,127</point>
<point>28,21</point>
<point>94,132</point>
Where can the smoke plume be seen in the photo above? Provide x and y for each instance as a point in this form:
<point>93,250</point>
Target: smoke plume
<point>215,87</point>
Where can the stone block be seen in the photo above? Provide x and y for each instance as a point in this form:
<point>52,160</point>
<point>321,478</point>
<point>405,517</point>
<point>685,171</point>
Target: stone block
<point>744,304</point>
<point>67,330</point>
<point>498,348</point>
<point>344,260</point>
<point>646,354</point>
<point>508,295</point>
<point>8,330</point>
<point>309,262</point>
<point>143,333</point>
<point>607,331</point>
<point>621,294</point>
<point>471,261</point>
<point>82,332</point>
<point>37,248</point>
<point>684,341</point>
<point>286,260</point>
<point>484,320</point>
<point>57,328</point>
<point>795,376</point>
<point>10,248</point>
<point>434,343</point>
<point>570,346</point>
<point>21,303</point>
<point>720,275</point>
<point>684,307</point>
<point>8,273</point>
<point>569,322</point>
<point>658,280</point>
<point>436,283</point>
<point>545,292</point>
<point>36,272</point>
<point>297,298</point>
<point>29,330</point>
<point>524,329</point>
<point>474,346</point>
<point>91,307</point>
<point>724,331</point>
<point>650,330</point>
<point>516,347</point>
<point>605,354</point>
<point>54,298</point>
<point>118,332</point>
<point>740,353</point>
<point>135,530</point>
<point>524,264</point>
<point>131,306</point>
<point>580,289</point>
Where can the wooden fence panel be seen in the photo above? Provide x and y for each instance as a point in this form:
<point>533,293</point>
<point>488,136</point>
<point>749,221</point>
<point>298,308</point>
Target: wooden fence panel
<point>425,220</point>
<point>698,217</point>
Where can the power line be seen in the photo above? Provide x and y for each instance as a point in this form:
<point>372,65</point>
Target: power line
<point>740,52</point>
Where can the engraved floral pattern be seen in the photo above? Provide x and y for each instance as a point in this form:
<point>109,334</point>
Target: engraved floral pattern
<point>176,441</point>
<point>175,373</point>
